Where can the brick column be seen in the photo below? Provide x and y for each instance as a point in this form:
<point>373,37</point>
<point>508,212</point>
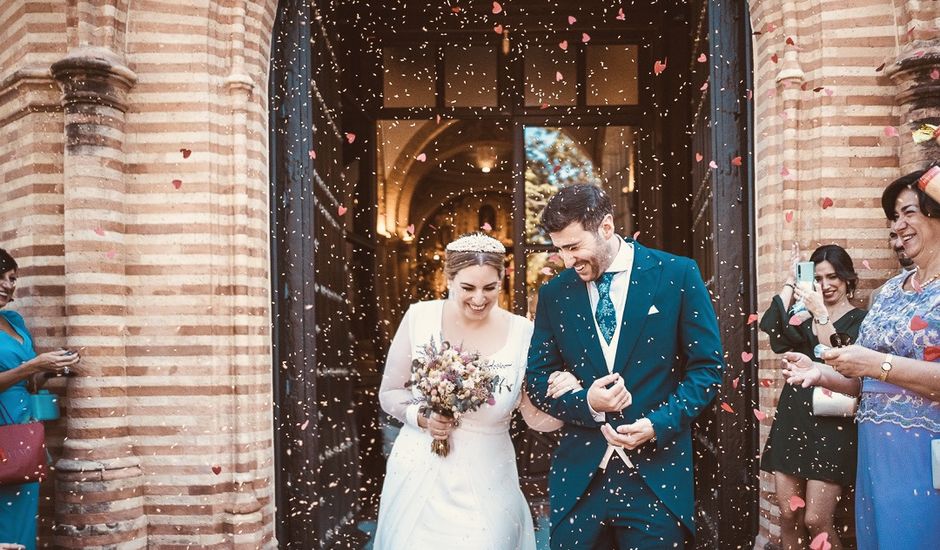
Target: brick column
<point>917,94</point>
<point>99,494</point>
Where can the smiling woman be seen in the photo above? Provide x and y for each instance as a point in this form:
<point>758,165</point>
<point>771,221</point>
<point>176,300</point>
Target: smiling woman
<point>471,497</point>
<point>20,367</point>
<point>895,364</point>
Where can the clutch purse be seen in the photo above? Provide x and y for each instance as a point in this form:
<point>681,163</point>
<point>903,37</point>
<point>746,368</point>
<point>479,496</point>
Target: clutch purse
<point>22,452</point>
<point>832,403</point>
<point>44,405</point>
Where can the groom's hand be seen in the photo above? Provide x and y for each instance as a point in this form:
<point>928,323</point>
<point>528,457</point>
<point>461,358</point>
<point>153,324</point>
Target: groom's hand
<point>633,435</point>
<point>604,399</point>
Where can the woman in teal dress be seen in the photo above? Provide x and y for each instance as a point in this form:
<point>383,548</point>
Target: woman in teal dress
<point>811,457</point>
<point>19,367</point>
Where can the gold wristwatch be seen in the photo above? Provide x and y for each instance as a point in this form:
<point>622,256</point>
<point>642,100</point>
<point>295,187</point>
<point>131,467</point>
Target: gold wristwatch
<point>886,367</point>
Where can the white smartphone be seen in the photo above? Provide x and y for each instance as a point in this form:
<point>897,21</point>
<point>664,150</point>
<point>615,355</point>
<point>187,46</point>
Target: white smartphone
<point>806,274</point>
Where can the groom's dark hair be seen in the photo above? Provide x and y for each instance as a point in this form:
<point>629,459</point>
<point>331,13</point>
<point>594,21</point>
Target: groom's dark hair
<point>582,202</point>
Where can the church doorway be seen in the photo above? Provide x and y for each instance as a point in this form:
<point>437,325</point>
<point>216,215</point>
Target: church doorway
<point>453,119</point>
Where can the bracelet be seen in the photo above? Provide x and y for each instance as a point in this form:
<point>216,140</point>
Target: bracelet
<point>791,285</point>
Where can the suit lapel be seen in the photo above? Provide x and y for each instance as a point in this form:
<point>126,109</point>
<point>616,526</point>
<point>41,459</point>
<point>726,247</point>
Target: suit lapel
<point>644,282</point>
<point>582,318</point>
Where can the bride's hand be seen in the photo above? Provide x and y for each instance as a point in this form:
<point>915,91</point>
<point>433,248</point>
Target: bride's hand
<point>440,426</point>
<point>561,382</point>
<point>799,370</point>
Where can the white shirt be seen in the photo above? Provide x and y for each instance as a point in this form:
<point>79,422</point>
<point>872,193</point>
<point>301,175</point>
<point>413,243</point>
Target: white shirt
<point>619,286</point>
<point>622,265</point>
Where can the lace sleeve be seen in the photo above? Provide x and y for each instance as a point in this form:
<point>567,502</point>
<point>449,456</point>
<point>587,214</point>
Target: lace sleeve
<point>394,398</point>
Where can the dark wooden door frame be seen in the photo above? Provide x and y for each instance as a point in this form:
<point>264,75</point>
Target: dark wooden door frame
<point>316,469</point>
<point>726,443</point>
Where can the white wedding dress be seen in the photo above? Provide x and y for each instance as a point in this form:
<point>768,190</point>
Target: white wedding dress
<point>469,499</point>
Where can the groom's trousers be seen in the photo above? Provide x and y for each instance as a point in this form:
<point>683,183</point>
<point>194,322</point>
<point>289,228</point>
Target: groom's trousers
<point>619,511</point>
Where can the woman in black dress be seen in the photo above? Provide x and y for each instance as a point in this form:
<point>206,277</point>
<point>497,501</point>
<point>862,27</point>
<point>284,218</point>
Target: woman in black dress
<point>811,457</point>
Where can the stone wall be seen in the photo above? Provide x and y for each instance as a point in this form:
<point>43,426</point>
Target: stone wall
<point>839,86</point>
<point>135,188</point>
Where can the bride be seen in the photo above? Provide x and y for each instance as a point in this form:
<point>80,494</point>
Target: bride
<point>470,498</point>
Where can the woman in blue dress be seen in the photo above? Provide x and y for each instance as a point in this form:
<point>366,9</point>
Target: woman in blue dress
<point>895,367</point>
<point>20,367</point>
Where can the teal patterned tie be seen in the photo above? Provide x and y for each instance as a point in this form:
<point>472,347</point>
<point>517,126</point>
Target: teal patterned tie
<point>605,314</point>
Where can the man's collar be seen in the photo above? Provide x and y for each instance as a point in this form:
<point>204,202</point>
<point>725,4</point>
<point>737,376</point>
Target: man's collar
<point>624,258</point>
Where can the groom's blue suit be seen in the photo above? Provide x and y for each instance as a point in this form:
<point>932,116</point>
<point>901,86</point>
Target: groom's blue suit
<point>669,355</point>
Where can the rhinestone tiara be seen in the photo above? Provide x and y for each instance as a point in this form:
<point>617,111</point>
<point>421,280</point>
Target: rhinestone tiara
<point>477,242</point>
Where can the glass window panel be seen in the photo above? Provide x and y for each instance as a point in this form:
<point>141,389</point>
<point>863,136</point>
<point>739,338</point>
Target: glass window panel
<point>409,77</point>
<point>543,65</point>
<point>555,158</point>
<point>612,74</point>
<point>558,157</point>
<point>541,267</point>
<point>471,76</point>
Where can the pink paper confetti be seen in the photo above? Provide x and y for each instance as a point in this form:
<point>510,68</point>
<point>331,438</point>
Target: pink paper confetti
<point>796,503</point>
<point>702,58</point>
<point>752,318</point>
<point>659,66</point>
<point>698,157</point>
<point>563,45</point>
<point>350,137</point>
<point>788,216</point>
<point>177,183</point>
<point>341,210</point>
<point>487,227</point>
<point>312,154</point>
<point>891,131</point>
<point>99,232</point>
<point>187,152</point>
<point>585,37</point>
<point>421,158</point>
<point>727,408</point>
<point>866,264</point>
<point>571,20</point>
<point>759,415</point>
<point>821,542</point>
<point>746,356</point>
<point>713,165</point>
<point>620,15</point>
<point>497,9</point>
<point>558,76</point>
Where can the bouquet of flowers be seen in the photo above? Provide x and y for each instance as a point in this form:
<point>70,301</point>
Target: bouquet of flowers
<point>452,382</point>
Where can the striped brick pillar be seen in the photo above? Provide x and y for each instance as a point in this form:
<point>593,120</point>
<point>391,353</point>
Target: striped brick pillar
<point>915,73</point>
<point>99,500</point>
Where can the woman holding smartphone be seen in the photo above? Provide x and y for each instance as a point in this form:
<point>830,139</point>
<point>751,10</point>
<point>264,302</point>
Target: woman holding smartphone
<point>20,367</point>
<point>811,457</point>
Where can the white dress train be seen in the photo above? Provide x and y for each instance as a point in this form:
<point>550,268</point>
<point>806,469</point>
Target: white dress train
<point>471,498</point>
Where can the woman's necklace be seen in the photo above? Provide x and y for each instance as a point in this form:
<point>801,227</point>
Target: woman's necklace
<point>921,284</point>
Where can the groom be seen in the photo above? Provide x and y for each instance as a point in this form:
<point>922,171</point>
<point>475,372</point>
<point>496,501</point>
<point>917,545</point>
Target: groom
<point>637,327</point>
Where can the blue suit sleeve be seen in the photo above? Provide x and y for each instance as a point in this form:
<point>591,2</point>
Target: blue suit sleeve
<point>544,359</point>
<point>700,347</point>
